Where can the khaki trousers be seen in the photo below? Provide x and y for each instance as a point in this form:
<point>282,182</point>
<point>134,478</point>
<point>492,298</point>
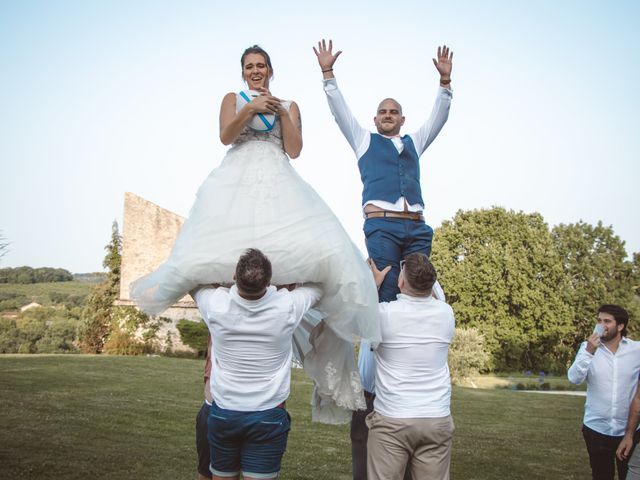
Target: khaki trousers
<point>423,443</point>
<point>634,464</point>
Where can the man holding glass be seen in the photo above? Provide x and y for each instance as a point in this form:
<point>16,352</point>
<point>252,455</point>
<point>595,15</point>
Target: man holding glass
<point>610,364</point>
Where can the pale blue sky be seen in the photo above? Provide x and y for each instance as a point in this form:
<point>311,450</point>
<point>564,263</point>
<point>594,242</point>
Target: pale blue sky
<point>99,98</point>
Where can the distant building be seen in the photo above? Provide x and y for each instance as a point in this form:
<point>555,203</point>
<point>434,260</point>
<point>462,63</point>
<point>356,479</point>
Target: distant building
<point>148,234</point>
<point>30,306</point>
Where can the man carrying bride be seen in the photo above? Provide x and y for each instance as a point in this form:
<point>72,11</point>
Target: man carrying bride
<point>391,198</point>
<point>255,197</point>
<point>251,326</point>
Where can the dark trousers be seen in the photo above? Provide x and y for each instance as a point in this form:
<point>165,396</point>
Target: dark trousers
<point>602,455</point>
<point>202,442</point>
<point>389,240</point>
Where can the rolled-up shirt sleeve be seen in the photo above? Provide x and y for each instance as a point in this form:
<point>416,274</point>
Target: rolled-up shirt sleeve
<point>201,295</point>
<point>578,371</point>
<point>304,298</point>
<point>357,136</point>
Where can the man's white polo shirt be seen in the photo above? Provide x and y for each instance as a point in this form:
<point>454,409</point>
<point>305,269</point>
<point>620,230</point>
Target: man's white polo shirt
<point>251,349</point>
<point>412,374</point>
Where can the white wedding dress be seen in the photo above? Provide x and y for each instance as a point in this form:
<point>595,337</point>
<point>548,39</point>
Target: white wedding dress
<point>255,199</point>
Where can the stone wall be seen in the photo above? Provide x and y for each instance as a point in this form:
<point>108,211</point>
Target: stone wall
<point>148,234</point>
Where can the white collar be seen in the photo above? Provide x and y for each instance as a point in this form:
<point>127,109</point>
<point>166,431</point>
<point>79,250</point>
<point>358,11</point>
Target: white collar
<point>411,298</point>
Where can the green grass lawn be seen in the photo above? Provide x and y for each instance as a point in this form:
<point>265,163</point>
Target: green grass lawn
<point>533,381</point>
<point>77,417</point>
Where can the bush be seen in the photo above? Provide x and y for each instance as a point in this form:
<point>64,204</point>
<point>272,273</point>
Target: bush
<point>467,355</point>
<point>9,336</point>
<point>59,337</point>
<point>12,301</point>
<point>30,330</point>
<point>67,299</point>
<point>194,335</point>
<point>121,342</point>
<point>39,330</point>
<point>132,332</point>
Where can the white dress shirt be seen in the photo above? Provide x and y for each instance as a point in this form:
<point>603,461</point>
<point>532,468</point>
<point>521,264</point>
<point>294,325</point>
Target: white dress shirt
<point>412,373</point>
<point>251,350</point>
<point>366,359</point>
<point>611,383</point>
<point>359,138</point>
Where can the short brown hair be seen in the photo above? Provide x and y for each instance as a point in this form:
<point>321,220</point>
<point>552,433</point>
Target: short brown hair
<point>253,271</point>
<point>419,273</point>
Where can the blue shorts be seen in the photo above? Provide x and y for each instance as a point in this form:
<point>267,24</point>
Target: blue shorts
<point>249,442</point>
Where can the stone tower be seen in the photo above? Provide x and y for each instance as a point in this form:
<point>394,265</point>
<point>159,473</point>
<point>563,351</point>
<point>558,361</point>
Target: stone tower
<point>148,234</point>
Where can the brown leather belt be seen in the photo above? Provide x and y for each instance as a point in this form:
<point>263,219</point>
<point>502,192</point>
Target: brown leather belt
<point>417,216</point>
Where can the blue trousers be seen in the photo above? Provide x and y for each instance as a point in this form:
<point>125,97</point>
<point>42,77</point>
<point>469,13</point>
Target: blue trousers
<point>390,240</point>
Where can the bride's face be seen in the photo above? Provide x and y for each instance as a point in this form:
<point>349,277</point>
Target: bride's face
<point>255,71</point>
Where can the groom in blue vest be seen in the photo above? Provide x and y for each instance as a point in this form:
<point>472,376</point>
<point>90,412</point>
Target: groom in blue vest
<point>391,200</point>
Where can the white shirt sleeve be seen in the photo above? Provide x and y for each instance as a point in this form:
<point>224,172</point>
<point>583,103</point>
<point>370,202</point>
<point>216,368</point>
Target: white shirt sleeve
<point>201,296</point>
<point>304,298</point>
<point>358,137</point>
<point>439,115</point>
<point>367,360</point>
<point>367,366</point>
<point>206,297</point>
<point>578,371</point>
<point>438,292</point>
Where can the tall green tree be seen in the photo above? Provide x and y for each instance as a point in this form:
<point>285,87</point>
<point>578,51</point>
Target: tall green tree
<point>598,271</point>
<point>97,315</point>
<point>502,276</point>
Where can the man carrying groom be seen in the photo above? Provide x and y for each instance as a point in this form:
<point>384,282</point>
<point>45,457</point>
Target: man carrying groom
<point>392,200</point>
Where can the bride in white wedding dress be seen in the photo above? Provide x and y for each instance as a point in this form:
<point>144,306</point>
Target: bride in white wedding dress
<point>256,199</point>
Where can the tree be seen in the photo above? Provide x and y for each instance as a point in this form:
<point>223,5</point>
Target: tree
<point>96,318</point>
<point>595,262</point>
<point>502,276</point>
<point>4,246</point>
<point>28,275</point>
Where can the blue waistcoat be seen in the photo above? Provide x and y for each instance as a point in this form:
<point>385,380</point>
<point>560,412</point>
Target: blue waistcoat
<point>388,175</point>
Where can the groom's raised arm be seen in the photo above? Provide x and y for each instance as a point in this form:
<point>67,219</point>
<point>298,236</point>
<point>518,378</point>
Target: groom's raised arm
<point>440,113</point>
<point>357,136</point>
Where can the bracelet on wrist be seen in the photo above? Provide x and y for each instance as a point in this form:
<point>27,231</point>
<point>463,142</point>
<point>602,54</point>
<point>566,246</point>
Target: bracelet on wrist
<point>445,81</point>
<point>327,70</point>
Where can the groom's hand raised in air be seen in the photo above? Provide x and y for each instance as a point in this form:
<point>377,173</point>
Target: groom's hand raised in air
<point>326,57</point>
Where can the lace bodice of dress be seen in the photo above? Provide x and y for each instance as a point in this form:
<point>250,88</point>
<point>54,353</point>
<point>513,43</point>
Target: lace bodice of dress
<point>274,136</point>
